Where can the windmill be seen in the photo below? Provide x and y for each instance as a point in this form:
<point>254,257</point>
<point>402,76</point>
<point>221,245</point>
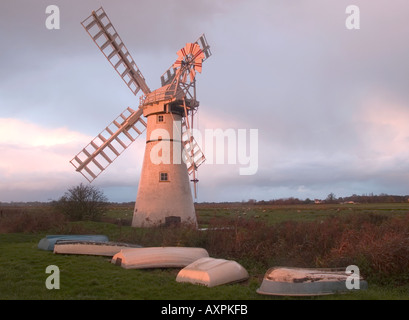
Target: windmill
<point>171,152</point>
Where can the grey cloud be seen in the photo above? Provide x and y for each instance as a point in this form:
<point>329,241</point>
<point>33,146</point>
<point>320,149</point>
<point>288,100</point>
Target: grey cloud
<point>289,69</point>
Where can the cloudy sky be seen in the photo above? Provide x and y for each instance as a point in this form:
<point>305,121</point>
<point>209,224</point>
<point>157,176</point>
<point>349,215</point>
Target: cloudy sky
<point>330,105</point>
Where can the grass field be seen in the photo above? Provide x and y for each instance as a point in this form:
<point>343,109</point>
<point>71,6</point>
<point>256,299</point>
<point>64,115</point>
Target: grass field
<point>260,237</point>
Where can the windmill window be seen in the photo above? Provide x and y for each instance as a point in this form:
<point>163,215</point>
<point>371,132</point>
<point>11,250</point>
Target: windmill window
<point>163,176</point>
<point>160,118</point>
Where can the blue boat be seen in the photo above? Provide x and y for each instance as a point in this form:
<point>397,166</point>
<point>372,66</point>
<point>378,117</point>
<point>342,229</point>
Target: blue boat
<point>49,241</point>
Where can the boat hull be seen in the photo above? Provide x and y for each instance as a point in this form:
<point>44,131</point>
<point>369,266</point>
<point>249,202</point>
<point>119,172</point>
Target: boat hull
<point>49,241</point>
<point>95,248</point>
<point>306,282</point>
<point>212,272</point>
<point>158,257</point>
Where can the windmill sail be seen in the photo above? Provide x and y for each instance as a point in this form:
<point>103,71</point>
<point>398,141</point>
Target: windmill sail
<point>169,74</point>
<point>101,30</point>
<point>109,144</point>
<point>193,155</point>
<point>202,42</point>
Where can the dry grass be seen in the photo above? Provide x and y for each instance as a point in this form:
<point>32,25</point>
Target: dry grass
<point>20,219</point>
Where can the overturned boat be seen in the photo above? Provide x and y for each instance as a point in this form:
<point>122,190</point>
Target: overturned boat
<point>49,241</point>
<point>96,248</point>
<point>158,257</point>
<point>212,272</point>
<point>283,281</point>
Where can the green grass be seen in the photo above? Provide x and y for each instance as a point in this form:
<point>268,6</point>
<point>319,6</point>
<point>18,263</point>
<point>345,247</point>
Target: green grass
<point>23,276</point>
<point>272,214</point>
<point>23,265</point>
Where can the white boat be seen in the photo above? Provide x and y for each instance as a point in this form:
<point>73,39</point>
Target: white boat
<point>158,257</point>
<point>212,272</point>
<point>95,248</point>
<point>283,281</point>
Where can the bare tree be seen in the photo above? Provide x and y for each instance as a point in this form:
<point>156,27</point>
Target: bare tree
<point>83,202</point>
<point>331,198</point>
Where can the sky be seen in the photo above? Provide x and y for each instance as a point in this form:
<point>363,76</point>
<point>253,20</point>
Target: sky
<point>329,104</point>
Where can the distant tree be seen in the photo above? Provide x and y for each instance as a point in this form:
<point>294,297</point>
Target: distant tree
<point>83,202</point>
<point>308,201</point>
<point>331,198</point>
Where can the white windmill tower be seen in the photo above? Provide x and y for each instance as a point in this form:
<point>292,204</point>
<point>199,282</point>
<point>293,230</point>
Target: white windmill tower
<point>171,152</point>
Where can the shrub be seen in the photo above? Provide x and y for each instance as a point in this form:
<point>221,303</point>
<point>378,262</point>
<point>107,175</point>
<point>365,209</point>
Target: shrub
<point>381,250</point>
<point>82,203</point>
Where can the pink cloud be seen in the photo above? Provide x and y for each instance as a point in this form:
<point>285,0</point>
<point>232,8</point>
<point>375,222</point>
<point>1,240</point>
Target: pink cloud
<point>35,157</point>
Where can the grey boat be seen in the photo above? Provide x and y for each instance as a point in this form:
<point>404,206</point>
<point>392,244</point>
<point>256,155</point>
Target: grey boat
<point>284,281</point>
